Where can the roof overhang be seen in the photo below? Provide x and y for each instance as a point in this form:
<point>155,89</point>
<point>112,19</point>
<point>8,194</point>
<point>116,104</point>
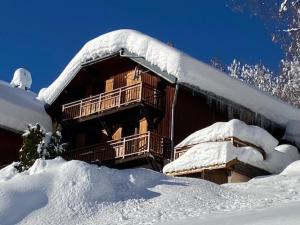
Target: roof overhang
<point>126,54</point>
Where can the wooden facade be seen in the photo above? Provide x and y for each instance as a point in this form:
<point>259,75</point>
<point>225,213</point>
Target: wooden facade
<point>117,111</point>
<point>11,143</point>
<point>114,112</point>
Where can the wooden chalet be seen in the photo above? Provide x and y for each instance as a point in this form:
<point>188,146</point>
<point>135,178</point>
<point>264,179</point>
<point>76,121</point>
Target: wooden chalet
<point>119,109</point>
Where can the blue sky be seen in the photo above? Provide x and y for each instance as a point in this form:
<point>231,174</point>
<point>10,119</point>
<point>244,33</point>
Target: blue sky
<point>43,36</point>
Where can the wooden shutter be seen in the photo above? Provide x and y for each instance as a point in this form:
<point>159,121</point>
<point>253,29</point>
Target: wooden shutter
<point>143,126</point>
<point>117,134</point>
<point>107,101</point>
<point>131,79</point>
<point>109,85</point>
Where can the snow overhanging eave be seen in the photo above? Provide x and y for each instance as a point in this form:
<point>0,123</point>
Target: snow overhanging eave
<point>142,61</point>
<point>11,129</point>
<point>126,54</point>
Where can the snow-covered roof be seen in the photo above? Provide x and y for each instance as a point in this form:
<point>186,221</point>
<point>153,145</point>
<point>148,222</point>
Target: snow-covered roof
<point>207,148</point>
<point>18,108</point>
<point>211,154</point>
<point>234,128</point>
<point>208,155</point>
<point>186,69</point>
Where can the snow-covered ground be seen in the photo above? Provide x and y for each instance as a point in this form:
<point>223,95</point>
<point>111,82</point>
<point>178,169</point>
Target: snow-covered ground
<point>59,192</point>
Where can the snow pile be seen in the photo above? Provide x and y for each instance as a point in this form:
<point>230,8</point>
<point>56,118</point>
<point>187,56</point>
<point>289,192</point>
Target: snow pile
<point>292,170</point>
<point>234,128</point>
<point>212,154</point>
<point>292,132</point>
<point>60,192</point>
<point>185,68</point>
<point>207,151</point>
<point>8,172</point>
<point>20,108</point>
<point>22,79</point>
<point>289,150</point>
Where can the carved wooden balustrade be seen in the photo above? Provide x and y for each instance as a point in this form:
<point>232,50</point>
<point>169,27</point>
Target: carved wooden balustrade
<point>130,146</point>
<point>116,99</point>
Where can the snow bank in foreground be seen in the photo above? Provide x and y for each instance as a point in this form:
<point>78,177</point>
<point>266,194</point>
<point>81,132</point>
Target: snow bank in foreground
<point>221,130</point>
<point>292,170</point>
<point>59,192</point>
<point>185,68</point>
<point>287,214</point>
<point>20,108</point>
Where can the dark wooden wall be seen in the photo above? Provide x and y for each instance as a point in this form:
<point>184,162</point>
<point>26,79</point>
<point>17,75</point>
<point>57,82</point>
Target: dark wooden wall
<point>10,144</point>
<point>193,113</point>
<point>91,81</point>
<point>163,127</point>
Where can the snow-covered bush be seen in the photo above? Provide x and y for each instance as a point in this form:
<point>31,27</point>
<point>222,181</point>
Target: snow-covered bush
<point>37,143</point>
<point>282,17</point>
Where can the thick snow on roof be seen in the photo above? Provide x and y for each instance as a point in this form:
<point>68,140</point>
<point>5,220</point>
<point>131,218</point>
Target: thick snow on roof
<point>211,154</point>
<point>234,128</point>
<point>18,108</point>
<point>206,152</point>
<point>185,68</point>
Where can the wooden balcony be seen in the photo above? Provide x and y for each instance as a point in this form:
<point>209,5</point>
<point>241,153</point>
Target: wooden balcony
<point>124,149</point>
<point>139,93</point>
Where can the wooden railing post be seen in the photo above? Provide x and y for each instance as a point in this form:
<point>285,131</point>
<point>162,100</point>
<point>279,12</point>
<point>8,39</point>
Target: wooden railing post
<point>141,90</point>
<point>148,141</point>
<point>120,94</point>
<point>124,147</point>
<point>80,110</point>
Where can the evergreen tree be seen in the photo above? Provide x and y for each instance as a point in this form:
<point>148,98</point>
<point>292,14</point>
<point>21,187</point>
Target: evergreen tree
<point>39,144</point>
<point>32,139</point>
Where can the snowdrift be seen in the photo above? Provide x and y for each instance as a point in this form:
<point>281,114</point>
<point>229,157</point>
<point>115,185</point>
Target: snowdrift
<point>60,192</point>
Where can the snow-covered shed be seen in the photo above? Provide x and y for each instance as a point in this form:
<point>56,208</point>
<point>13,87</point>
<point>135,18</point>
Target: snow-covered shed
<point>230,152</point>
<point>18,108</point>
<point>126,69</point>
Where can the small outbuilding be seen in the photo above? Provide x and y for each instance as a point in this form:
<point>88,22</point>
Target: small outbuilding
<point>228,152</point>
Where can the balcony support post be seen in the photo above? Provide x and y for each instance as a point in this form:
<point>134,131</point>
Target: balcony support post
<point>148,141</point>
<point>80,110</point>
<point>124,147</point>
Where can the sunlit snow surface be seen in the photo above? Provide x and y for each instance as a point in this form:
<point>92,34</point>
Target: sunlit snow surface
<point>59,192</point>
<point>185,68</point>
<point>18,108</point>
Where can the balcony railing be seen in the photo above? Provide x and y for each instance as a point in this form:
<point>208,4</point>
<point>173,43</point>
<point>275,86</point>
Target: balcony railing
<point>137,93</point>
<point>131,146</point>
